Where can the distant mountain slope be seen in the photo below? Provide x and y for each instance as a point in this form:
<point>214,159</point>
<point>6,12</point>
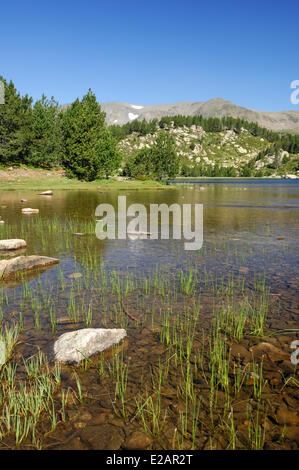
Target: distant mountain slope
<point>120,113</point>
<point>201,152</point>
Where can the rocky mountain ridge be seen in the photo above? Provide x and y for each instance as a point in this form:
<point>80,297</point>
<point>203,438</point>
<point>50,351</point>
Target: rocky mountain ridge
<point>121,113</point>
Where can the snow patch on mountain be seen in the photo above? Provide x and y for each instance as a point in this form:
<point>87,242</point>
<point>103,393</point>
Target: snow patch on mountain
<point>136,107</point>
<point>132,116</point>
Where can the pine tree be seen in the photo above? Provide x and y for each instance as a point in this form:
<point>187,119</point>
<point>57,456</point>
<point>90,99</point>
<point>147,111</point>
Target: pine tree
<point>107,155</point>
<point>165,158</point>
<point>86,142</point>
<point>15,123</point>
<point>46,143</point>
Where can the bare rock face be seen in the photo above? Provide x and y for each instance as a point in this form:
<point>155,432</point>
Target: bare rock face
<point>13,244</point>
<point>24,263</point>
<point>77,345</point>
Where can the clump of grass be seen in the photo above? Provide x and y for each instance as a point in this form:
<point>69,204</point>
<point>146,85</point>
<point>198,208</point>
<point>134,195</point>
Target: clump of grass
<point>152,416</point>
<point>8,341</point>
<point>79,393</point>
<point>26,401</point>
<point>121,371</point>
<point>240,375</point>
<point>256,432</point>
<point>259,314</point>
<point>257,377</point>
<point>232,320</point>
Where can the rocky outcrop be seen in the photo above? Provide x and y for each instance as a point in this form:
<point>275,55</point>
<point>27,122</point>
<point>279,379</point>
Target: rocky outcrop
<point>78,345</point>
<point>19,264</point>
<point>291,177</point>
<point>12,244</point>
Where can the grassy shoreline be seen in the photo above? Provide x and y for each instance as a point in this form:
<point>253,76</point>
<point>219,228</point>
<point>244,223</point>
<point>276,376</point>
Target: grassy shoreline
<point>38,180</point>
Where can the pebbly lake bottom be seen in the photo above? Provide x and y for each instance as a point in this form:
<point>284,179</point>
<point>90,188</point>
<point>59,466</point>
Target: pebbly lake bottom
<point>207,360</point>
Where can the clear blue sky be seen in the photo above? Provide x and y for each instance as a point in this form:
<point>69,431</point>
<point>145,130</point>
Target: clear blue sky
<point>154,51</point>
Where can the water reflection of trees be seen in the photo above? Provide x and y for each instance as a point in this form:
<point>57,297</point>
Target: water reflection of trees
<point>73,211</point>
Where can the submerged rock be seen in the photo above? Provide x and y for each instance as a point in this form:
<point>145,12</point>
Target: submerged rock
<point>12,253</point>
<point>275,354</point>
<point>75,276</point>
<point>138,440</point>
<point>12,244</point>
<point>12,266</point>
<point>104,437</point>
<point>77,345</point>
<point>286,416</point>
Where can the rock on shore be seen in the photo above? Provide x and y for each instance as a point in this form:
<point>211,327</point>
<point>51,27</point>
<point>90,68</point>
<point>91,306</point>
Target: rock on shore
<point>77,345</point>
<point>291,177</point>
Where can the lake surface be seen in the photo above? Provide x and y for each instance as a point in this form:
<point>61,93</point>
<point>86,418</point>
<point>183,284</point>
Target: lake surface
<point>250,247</point>
<point>252,224</point>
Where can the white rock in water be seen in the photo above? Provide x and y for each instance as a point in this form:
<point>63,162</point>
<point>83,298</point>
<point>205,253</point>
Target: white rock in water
<point>77,345</point>
<point>28,210</point>
<point>13,244</point>
<point>9,267</point>
<point>138,234</point>
<point>46,193</point>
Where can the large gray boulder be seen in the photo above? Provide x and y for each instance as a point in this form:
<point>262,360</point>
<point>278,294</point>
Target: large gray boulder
<point>78,345</point>
<point>9,267</point>
<point>12,244</point>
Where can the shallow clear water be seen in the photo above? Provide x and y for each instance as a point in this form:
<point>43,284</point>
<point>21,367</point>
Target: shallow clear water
<point>249,255</point>
<point>252,224</point>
